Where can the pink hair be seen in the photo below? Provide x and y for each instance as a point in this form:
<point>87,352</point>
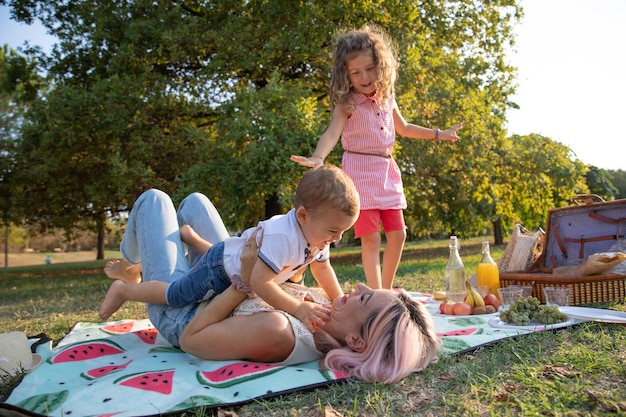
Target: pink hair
<point>400,339</point>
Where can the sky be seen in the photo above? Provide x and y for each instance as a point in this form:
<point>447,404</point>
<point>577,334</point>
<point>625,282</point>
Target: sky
<point>571,61</point>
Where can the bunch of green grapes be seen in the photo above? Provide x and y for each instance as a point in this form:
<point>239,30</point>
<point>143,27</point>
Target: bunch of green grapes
<point>526,309</point>
<point>549,315</point>
<point>521,312</point>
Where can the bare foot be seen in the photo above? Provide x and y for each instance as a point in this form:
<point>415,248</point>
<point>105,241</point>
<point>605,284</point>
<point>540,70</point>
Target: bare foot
<point>187,234</point>
<point>193,239</point>
<point>124,270</point>
<point>112,301</point>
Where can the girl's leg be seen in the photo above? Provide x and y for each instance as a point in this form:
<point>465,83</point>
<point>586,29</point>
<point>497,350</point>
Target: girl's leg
<point>392,255</point>
<point>370,256</point>
<point>197,211</point>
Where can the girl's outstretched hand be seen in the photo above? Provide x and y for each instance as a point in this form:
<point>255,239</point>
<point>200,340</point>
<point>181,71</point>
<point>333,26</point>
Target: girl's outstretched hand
<point>450,134</point>
<point>312,162</point>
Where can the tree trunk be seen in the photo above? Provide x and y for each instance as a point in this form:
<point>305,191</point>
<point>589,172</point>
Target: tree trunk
<point>272,206</point>
<point>101,234</point>
<point>100,254</point>
<point>497,232</point>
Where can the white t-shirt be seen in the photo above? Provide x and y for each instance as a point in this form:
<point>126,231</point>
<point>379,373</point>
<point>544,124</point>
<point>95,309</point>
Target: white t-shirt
<point>284,248</point>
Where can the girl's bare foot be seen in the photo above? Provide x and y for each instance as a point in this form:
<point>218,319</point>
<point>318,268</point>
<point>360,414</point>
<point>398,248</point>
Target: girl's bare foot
<point>112,301</point>
<point>124,270</point>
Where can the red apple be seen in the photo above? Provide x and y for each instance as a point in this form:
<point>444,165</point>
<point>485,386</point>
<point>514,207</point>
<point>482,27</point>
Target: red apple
<point>448,308</point>
<point>492,300</point>
<point>442,307</point>
<point>462,309</point>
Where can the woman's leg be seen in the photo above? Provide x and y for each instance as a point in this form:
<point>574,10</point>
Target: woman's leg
<point>197,211</point>
<point>152,239</point>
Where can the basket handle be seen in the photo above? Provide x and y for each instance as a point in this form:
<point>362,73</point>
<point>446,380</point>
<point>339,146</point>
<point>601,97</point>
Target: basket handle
<point>587,199</point>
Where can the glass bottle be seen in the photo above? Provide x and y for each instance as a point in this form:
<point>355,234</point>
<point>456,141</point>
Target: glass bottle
<point>487,273</point>
<point>455,274</point>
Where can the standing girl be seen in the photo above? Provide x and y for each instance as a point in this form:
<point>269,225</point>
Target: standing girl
<point>367,118</point>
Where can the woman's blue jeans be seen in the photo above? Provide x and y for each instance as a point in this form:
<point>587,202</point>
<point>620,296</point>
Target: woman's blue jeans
<point>152,238</point>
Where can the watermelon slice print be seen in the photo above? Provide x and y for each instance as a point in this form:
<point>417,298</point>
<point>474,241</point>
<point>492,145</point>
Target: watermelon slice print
<point>119,328</point>
<point>236,373</point>
<point>148,336</point>
<point>44,403</point>
<point>453,344</point>
<point>103,370</point>
<point>462,332</point>
<point>467,321</point>
<point>157,381</point>
<point>333,375</point>
<point>82,351</point>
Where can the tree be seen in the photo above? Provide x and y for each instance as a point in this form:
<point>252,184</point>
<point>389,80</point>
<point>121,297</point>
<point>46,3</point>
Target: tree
<point>599,182</point>
<point>97,154</point>
<point>618,180</point>
<point>228,90</point>
<point>546,176</point>
<point>19,86</point>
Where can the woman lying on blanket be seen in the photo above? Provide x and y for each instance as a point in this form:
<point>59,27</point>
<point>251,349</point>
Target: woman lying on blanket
<point>374,335</point>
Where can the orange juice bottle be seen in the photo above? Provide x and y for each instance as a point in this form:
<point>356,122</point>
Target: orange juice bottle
<point>487,273</point>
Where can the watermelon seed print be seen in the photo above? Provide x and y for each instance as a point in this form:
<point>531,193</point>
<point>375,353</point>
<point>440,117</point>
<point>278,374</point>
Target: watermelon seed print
<point>118,328</point>
<point>86,350</point>
<point>157,381</point>
<point>148,336</point>
<point>236,373</point>
<point>104,370</point>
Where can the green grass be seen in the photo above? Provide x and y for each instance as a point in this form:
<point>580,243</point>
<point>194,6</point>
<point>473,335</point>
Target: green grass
<point>577,371</point>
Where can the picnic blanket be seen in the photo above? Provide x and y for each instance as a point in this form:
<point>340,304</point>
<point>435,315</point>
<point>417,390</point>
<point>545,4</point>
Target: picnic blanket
<point>125,368</point>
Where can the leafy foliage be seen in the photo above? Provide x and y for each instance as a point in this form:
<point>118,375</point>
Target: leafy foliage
<point>214,96</point>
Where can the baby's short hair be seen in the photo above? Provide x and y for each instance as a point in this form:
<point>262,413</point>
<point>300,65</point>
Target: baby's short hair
<point>327,187</point>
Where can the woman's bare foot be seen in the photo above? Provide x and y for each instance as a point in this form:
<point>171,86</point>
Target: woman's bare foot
<point>112,301</point>
<point>124,270</point>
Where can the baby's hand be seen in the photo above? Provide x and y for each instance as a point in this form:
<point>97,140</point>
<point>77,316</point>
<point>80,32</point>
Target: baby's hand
<point>312,315</point>
<point>312,162</point>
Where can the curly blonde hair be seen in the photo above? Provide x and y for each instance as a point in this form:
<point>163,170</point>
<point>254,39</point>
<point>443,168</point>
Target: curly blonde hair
<point>347,46</point>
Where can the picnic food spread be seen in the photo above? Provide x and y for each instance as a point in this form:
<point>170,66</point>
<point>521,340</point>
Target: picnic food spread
<point>527,309</point>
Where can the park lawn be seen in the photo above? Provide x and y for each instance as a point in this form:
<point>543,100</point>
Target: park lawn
<point>577,371</point>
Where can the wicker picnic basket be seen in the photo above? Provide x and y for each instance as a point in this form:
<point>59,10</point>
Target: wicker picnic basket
<point>572,234</point>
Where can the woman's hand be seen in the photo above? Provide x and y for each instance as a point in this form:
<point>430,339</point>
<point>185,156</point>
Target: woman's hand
<point>312,162</point>
<point>312,315</point>
<point>249,256</point>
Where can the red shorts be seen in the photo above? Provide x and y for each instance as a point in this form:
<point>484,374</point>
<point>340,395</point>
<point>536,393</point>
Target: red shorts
<point>369,221</point>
